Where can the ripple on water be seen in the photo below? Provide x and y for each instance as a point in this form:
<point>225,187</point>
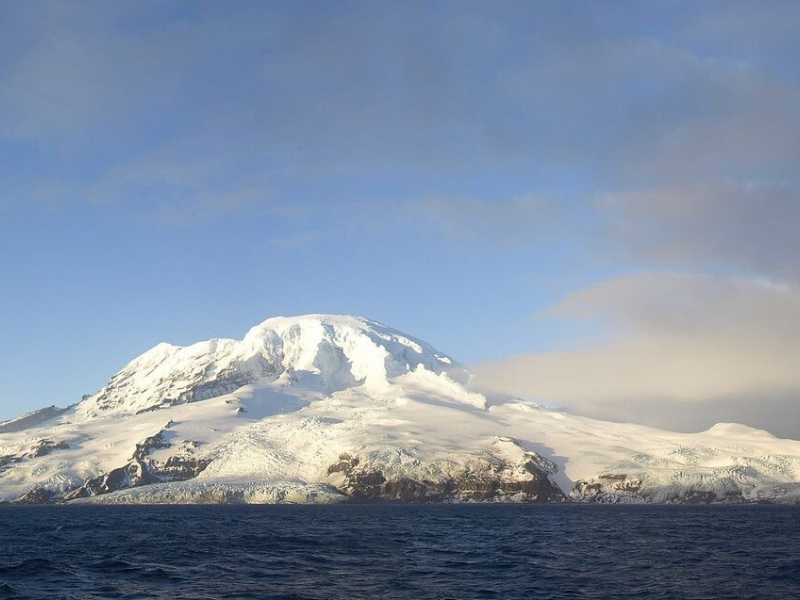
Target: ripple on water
<point>399,552</point>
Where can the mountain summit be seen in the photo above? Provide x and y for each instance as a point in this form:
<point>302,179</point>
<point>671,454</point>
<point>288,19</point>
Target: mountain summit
<point>320,352</point>
<point>323,408</point>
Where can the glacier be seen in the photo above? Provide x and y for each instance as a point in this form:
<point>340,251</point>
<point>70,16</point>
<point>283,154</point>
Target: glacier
<point>327,408</point>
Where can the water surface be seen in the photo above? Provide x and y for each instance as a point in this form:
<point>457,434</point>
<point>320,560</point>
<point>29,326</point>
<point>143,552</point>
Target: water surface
<point>400,552</point>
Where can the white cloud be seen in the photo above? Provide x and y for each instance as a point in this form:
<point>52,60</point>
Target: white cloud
<point>679,340</point>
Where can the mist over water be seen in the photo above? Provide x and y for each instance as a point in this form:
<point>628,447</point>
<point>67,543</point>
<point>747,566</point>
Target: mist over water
<point>399,552</point>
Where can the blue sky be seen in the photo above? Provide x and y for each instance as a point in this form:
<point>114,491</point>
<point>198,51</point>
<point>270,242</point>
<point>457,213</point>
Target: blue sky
<point>501,180</point>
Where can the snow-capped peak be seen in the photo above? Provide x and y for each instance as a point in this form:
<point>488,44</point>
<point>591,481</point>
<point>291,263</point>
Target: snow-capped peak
<point>327,353</point>
<point>325,408</point>
<point>341,346</point>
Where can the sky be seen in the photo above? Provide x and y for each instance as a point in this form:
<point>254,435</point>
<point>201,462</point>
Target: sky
<point>593,205</point>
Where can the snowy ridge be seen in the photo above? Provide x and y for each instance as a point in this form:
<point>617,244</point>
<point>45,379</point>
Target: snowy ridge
<point>328,352</point>
<point>31,419</point>
<point>331,408</point>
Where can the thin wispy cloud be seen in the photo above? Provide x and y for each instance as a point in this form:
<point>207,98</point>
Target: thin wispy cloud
<point>748,227</point>
<point>517,223</point>
<point>373,95</point>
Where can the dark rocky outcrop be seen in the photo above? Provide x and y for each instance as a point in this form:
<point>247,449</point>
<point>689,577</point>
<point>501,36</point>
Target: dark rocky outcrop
<point>40,448</point>
<point>710,496</point>
<point>607,488</point>
<point>612,488</point>
<point>38,495</point>
<point>7,460</point>
<point>143,469</point>
<point>130,475</point>
<point>489,480</point>
<point>44,447</point>
<point>226,383</point>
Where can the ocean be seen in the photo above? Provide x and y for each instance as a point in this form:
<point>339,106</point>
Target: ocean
<point>400,552</point>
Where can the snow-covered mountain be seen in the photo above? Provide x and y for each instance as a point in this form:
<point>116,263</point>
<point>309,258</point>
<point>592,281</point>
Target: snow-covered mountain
<point>330,408</point>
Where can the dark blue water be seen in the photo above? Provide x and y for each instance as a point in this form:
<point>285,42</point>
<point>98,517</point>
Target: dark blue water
<point>400,552</point>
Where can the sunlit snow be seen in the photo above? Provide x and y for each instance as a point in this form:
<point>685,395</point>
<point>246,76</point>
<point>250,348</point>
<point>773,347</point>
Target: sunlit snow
<point>265,419</point>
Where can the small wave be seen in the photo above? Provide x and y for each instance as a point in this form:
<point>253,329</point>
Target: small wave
<point>159,574</point>
<point>7,591</point>
<point>353,552</point>
<point>32,566</point>
<point>786,571</point>
<point>113,565</point>
<point>123,569</point>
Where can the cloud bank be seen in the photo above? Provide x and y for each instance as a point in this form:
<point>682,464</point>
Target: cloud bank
<point>458,98</point>
<point>686,351</point>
